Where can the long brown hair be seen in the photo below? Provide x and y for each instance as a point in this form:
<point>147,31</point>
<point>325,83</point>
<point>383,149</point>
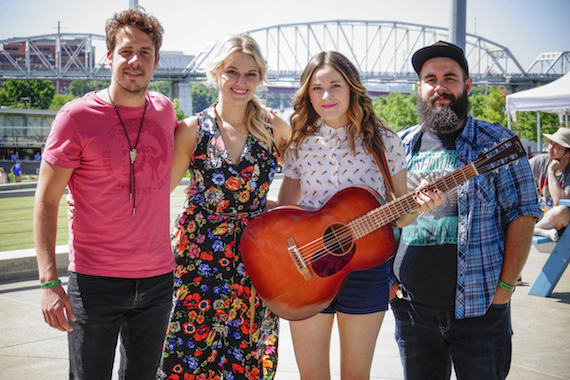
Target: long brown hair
<point>363,120</point>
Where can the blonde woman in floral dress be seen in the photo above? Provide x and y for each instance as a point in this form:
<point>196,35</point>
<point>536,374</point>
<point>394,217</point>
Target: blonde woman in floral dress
<point>219,328</point>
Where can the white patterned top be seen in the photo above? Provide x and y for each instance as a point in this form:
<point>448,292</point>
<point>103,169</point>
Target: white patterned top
<point>325,165</point>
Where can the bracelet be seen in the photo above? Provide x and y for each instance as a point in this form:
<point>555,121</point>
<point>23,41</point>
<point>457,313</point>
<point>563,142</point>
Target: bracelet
<point>46,285</point>
<point>506,286</point>
<point>412,213</point>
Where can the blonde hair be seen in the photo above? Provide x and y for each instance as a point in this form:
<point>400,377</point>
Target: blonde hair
<point>256,116</point>
<point>363,120</point>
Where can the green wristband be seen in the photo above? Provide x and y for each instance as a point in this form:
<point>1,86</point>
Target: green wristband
<point>412,213</point>
<point>46,285</point>
<point>505,286</point>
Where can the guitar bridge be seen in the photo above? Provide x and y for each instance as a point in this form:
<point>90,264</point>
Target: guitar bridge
<point>297,259</point>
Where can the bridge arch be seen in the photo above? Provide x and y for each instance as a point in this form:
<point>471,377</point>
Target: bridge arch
<point>381,50</point>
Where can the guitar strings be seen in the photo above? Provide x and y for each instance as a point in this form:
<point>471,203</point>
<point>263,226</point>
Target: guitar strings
<point>317,249</point>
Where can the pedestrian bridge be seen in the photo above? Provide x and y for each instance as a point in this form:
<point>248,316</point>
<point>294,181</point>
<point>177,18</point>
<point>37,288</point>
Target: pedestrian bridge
<point>381,50</point>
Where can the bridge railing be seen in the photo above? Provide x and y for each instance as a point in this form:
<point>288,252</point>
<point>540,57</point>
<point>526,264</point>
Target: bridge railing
<point>381,50</point>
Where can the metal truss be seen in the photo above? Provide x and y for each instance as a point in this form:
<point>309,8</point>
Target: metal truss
<point>64,56</point>
<point>51,56</point>
<point>557,62</point>
<point>381,50</point>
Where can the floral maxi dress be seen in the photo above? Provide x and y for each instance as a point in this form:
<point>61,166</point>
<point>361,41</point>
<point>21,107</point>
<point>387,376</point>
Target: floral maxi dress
<point>211,334</point>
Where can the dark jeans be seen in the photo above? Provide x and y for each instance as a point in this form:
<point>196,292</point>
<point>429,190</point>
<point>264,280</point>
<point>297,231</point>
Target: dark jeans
<point>138,309</point>
<point>429,342</point>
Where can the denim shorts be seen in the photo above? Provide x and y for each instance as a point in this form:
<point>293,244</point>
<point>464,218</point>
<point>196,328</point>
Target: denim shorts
<point>365,292</point>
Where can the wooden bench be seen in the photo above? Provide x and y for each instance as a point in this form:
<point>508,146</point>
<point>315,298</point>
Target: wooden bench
<point>556,263</point>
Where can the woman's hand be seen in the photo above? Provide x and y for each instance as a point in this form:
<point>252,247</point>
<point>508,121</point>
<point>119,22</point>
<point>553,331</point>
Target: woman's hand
<point>70,207</point>
<point>427,199</point>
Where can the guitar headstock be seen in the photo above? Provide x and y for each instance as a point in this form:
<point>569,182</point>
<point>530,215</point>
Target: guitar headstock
<point>502,154</point>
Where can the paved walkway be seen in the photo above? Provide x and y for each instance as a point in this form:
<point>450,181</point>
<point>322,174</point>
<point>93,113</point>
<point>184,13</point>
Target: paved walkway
<point>30,349</point>
<point>541,344</point>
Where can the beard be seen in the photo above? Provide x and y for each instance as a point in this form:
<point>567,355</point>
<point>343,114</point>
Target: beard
<point>446,119</point>
<point>134,89</point>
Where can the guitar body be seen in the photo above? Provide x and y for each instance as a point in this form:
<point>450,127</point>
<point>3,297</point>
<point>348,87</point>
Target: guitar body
<point>298,260</point>
<point>268,241</point>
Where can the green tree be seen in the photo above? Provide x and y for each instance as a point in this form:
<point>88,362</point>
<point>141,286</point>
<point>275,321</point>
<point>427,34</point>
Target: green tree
<point>59,101</point>
<point>81,87</point>
<point>202,96</point>
<point>180,115</point>
<point>492,107</point>
<point>478,90</point>
<point>162,86</point>
<point>397,110</point>
<point>3,97</point>
<point>526,124</point>
<point>270,99</point>
<point>40,92</point>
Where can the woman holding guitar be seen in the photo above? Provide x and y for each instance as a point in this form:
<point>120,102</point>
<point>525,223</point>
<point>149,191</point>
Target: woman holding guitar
<point>219,328</point>
<point>335,133</point>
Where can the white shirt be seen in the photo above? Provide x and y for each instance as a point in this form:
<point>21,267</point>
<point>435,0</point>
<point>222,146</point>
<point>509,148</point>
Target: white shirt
<point>324,164</point>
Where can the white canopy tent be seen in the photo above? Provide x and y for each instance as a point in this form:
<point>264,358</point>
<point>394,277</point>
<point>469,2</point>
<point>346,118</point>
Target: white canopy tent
<point>551,98</point>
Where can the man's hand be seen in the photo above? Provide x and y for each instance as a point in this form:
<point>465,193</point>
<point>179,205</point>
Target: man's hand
<point>55,308</point>
<point>502,296</point>
<point>395,291</point>
<point>558,164</point>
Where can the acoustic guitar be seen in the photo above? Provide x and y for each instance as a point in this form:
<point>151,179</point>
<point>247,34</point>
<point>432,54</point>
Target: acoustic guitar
<point>298,259</point>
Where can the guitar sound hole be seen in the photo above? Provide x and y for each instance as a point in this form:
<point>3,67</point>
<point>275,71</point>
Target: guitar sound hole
<point>337,239</point>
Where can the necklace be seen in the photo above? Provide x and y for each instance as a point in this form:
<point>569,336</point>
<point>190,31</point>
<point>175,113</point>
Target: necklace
<point>132,151</point>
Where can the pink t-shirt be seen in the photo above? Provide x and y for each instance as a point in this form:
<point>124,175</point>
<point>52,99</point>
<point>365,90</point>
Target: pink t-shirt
<point>105,239</point>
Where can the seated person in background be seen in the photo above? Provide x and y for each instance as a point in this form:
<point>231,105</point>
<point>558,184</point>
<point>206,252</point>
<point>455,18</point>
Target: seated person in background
<point>552,174</point>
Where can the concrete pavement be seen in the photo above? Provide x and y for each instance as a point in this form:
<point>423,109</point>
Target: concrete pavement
<point>541,343</point>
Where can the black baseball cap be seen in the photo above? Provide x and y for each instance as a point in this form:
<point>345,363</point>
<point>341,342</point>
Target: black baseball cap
<point>439,49</point>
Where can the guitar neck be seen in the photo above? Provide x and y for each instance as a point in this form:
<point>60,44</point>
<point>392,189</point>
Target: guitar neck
<point>393,210</point>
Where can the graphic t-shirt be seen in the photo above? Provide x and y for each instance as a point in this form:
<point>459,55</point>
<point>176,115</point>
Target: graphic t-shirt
<point>426,261</point>
<point>105,239</point>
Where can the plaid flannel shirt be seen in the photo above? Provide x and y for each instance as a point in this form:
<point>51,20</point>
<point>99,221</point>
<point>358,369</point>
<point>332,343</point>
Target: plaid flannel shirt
<point>486,206</point>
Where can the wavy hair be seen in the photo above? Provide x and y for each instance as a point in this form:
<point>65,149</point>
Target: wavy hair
<point>256,116</point>
<point>135,16</point>
<point>363,120</point>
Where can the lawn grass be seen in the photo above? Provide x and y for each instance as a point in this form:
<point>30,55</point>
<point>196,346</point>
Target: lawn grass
<point>16,215</point>
<point>16,223</point>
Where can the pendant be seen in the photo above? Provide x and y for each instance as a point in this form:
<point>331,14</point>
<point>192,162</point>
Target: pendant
<point>133,154</point>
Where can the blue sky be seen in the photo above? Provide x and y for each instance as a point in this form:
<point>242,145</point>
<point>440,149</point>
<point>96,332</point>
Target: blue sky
<point>526,27</point>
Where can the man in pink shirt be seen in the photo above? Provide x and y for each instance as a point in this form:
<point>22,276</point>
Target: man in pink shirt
<point>113,148</point>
